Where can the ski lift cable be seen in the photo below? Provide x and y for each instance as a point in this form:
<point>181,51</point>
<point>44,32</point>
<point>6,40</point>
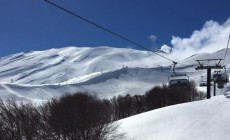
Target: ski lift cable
<point>226,49</point>
<point>110,31</point>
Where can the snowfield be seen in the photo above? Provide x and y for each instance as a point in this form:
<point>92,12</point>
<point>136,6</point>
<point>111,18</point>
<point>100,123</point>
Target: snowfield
<point>201,120</point>
<point>39,76</point>
<point>59,65</point>
<point>103,71</point>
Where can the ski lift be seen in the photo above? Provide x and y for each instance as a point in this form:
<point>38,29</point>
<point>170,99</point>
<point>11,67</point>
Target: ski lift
<point>203,83</point>
<point>221,77</point>
<point>178,80</point>
<point>220,85</point>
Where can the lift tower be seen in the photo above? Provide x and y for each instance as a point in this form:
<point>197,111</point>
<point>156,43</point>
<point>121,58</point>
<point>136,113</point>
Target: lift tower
<point>209,64</point>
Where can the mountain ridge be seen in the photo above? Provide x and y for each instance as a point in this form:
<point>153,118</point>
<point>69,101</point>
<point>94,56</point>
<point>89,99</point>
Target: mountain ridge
<point>103,71</point>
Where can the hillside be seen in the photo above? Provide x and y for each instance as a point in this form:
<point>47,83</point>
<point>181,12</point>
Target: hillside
<point>103,71</point>
<point>201,120</point>
<point>58,65</point>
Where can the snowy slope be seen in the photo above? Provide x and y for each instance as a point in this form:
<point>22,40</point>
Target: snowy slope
<point>201,120</point>
<point>104,71</point>
<point>105,85</point>
<point>59,65</point>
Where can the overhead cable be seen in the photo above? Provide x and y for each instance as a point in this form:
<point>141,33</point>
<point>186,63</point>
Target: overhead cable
<point>109,31</point>
<point>226,49</point>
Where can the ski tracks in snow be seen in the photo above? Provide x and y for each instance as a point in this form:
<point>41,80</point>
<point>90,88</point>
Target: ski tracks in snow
<point>173,129</point>
<point>16,95</point>
<point>11,91</point>
<point>142,129</point>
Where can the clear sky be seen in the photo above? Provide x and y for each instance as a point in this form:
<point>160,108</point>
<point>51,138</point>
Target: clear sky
<point>35,25</point>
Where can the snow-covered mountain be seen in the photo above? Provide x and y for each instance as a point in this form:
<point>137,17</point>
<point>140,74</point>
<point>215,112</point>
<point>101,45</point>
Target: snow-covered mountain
<point>41,75</point>
<point>104,71</point>
<point>59,65</point>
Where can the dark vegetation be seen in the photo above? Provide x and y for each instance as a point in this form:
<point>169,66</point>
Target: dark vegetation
<point>84,117</point>
<point>157,97</point>
<point>72,117</point>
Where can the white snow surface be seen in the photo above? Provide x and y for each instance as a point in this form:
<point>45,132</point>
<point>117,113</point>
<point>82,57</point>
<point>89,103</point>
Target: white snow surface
<point>38,76</point>
<point>103,71</point>
<point>59,65</point>
<point>201,120</point>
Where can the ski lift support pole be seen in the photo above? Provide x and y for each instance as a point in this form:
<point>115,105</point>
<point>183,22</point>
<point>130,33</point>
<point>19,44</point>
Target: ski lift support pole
<point>209,68</point>
<point>217,72</point>
<point>174,65</point>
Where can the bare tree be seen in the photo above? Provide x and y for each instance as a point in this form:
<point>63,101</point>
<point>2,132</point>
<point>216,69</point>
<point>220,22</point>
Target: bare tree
<point>80,116</point>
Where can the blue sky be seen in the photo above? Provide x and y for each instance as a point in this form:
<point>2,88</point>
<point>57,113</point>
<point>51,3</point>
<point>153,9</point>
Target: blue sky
<point>35,25</point>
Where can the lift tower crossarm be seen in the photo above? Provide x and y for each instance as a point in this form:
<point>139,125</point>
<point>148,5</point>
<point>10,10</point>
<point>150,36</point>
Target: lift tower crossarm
<point>202,66</point>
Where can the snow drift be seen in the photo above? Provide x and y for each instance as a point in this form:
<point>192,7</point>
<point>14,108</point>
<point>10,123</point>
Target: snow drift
<point>201,120</point>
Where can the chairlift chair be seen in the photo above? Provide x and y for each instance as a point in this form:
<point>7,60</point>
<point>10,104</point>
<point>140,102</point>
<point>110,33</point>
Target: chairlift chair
<point>181,81</point>
<point>178,80</point>
<point>220,85</point>
<point>203,83</point>
<point>221,77</point>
